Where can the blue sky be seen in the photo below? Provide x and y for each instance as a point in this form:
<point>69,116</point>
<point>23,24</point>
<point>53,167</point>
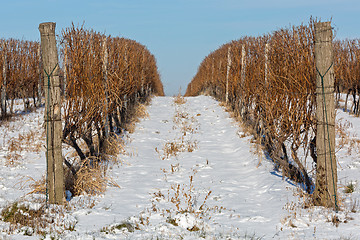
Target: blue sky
<point>180,33</point>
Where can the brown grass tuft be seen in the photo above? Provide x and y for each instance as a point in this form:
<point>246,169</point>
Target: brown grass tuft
<point>113,146</point>
<point>37,186</point>
<point>185,198</point>
<point>90,179</point>
<point>141,111</point>
<point>179,99</point>
<point>137,113</point>
<point>173,148</point>
<point>24,142</point>
<point>17,214</point>
<point>36,219</point>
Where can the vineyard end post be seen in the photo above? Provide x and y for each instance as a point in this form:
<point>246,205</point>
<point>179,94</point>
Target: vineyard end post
<point>326,171</point>
<point>55,169</point>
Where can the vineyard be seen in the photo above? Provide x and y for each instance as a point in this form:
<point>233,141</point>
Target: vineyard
<point>256,149</point>
<point>269,82</point>
<point>103,80</point>
<point>20,73</point>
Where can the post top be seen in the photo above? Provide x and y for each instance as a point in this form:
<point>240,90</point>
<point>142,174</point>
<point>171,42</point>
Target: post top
<point>323,32</point>
<point>47,27</point>
<point>323,25</point>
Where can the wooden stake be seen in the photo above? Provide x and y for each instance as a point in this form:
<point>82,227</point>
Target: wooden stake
<point>212,71</point>
<point>227,74</point>
<point>105,77</point>
<point>266,64</point>
<point>65,72</point>
<point>55,169</point>
<point>242,78</point>
<point>326,173</point>
<point>40,79</point>
<point>143,73</point>
<point>3,85</point>
<point>243,63</point>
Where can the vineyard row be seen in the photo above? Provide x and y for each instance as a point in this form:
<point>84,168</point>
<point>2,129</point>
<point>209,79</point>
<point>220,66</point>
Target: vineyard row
<point>269,82</point>
<point>102,80</point>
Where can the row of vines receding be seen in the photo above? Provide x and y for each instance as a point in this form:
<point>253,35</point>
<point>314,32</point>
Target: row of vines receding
<point>347,72</point>
<point>19,73</point>
<point>103,80</point>
<point>269,82</point>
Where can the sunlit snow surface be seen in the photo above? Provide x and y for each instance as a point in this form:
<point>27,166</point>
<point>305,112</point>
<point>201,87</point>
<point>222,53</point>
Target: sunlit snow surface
<point>247,199</point>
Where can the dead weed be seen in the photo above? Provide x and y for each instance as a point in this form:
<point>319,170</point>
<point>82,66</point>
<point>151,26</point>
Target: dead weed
<point>179,100</point>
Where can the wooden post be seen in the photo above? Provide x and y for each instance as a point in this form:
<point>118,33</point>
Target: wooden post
<point>126,59</point>
<point>143,73</point>
<point>40,79</point>
<point>3,85</point>
<point>266,64</point>
<point>243,63</point>
<point>227,74</point>
<point>65,72</point>
<point>105,77</point>
<point>125,101</point>
<point>217,89</point>
<point>242,78</point>
<point>212,71</point>
<point>326,172</point>
<point>55,169</point>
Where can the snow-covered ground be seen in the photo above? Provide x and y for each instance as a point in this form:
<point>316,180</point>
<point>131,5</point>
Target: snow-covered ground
<point>190,172</point>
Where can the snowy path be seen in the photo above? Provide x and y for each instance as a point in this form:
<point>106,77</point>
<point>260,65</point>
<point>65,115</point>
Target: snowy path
<point>253,197</point>
<point>24,135</point>
<point>178,158</point>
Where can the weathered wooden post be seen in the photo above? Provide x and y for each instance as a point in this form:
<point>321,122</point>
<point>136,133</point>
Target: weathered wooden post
<point>3,85</point>
<point>243,63</point>
<point>65,72</point>
<point>126,59</point>
<point>227,74</point>
<point>143,74</point>
<point>212,70</point>
<point>40,79</point>
<point>242,78</point>
<point>210,89</point>
<point>326,173</point>
<point>266,64</point>
<point>217,89</point>
<point>105,56</point>
<point>55,170</point>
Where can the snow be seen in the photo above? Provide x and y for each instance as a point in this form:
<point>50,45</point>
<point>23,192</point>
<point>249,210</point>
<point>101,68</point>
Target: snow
<point>216,185</point>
